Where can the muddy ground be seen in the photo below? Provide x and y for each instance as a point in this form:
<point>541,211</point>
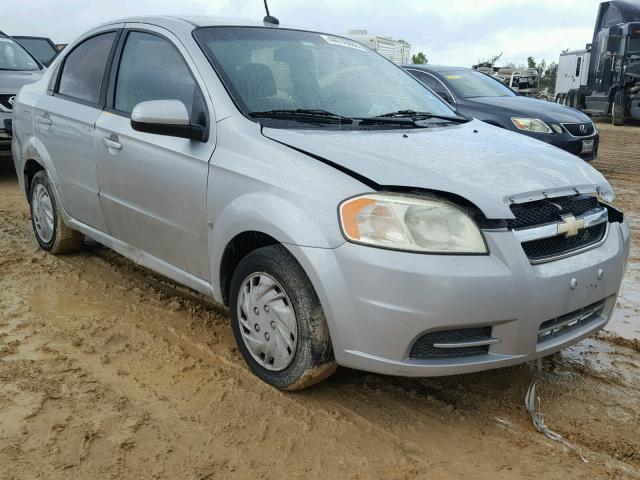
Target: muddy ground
<point>107,371</point>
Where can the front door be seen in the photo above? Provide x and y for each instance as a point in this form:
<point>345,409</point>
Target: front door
<point>153,188</point>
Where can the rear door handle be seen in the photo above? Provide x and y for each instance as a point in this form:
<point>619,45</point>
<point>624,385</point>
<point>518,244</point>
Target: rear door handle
<point>44,120</point>
<point>107,142</point>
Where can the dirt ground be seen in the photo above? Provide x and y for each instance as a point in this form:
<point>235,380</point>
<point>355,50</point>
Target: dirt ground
<point>107,371</point>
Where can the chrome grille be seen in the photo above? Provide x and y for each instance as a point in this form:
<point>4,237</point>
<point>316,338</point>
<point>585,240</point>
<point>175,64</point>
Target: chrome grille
<point>556,228</point>
<point>4,101</point>
<point>533,214</point>
<point>538,250</point>
<point>580,129</point>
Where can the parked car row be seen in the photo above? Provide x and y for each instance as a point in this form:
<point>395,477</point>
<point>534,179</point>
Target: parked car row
<point>345,213</point>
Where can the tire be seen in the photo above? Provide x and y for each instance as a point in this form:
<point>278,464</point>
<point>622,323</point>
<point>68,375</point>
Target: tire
<point>617,109</point>
<point>50,231</point>
<point>309,359</point>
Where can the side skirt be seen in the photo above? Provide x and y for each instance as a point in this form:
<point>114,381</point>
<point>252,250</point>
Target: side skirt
<point>142,258</point>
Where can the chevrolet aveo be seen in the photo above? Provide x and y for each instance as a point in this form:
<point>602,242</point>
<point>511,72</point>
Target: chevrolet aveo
<point>346,215</point>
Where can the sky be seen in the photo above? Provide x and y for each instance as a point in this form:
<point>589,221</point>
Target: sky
<point>450,32</point>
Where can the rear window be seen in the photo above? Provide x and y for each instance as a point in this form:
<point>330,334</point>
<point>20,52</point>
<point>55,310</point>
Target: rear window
<point>84,68</point>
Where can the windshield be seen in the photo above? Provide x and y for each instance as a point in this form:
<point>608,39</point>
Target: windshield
<point>14,57</point>
<point>39,48</point>
<point>267,69</point>
<point>472,84</point>
<point>634,45</point>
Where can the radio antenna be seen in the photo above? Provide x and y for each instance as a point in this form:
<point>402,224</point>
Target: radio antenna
<point>269,18</point>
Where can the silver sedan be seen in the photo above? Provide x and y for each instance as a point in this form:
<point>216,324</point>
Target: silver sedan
<point>344,213</point>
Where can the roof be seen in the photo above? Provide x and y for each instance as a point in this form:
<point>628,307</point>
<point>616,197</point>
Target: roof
<point>193,21</point>
<point>434,68</point>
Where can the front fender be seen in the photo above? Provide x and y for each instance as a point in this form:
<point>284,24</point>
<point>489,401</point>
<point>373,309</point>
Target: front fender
<point>266,213</point>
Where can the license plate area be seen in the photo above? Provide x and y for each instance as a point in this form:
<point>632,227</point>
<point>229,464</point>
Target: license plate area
<point>587,146</point>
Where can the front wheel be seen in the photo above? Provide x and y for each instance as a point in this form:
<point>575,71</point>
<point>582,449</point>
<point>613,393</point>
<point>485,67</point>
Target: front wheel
<point>278,322</point>
<point>49,229</point>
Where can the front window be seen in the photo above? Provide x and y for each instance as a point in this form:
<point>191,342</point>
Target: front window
<point>472,84</point>
<point>14,57</point>
<point>267,69</point>
<point>634,45</point>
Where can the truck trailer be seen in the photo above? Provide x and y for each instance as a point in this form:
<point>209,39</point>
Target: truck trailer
<point>611,85</point>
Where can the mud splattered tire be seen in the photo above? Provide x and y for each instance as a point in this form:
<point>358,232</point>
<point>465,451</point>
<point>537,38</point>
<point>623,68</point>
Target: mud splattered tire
<point>278,322</point>
<point>49,229</point>
<point>617,109</point>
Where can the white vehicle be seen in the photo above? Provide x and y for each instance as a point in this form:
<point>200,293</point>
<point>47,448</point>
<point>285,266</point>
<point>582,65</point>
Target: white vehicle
<point>573,72</point>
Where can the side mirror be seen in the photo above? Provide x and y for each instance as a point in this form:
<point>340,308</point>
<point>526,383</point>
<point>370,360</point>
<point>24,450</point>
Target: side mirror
<point>165,117</point>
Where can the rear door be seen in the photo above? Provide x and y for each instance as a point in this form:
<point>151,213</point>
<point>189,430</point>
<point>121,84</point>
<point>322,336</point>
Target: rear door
<point>65,121</point>
<point>153,188</point>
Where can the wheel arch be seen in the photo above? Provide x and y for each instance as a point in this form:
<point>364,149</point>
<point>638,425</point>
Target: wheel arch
<point>236,249</point>
<point>31,167</point>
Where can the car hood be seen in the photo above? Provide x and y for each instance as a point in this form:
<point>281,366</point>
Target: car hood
<point>531,107</point>
<point>11,82</point>
<point>486,165</point>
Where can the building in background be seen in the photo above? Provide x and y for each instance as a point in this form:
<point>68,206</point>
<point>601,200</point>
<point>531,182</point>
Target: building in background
<point>398,51</point>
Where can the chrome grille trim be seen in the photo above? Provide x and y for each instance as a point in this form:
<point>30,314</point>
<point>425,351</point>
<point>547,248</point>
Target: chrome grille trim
<point>590,126</point>
<point>591,219</point>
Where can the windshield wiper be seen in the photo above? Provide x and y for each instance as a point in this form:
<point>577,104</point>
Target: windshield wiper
<point>303,114</point>
<point>413,116</point>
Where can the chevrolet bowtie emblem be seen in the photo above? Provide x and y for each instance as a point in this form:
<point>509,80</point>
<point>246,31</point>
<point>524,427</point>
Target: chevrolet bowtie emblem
<point>570,226</point>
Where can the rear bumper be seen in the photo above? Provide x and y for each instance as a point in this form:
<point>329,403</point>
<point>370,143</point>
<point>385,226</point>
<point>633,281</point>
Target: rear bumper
<point>379,302</point>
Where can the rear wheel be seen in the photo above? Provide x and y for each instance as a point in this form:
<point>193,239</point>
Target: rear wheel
<point>278,322</point>
<point>50,231</point>
<point>617,109</point>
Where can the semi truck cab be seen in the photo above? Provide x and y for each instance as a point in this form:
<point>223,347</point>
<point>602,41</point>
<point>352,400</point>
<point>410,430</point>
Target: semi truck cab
<point>612,84</point>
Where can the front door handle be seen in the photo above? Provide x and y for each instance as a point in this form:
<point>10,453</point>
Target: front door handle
<point>107,142</point>
<point>44,120</point>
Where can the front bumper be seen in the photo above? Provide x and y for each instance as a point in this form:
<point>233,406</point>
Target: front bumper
<point>379,302</point>
<point>5,138</point>
<point>570,143</point>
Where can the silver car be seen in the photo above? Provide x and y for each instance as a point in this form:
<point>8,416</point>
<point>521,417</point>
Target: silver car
<point>17,68</point>
<point>346,215</point>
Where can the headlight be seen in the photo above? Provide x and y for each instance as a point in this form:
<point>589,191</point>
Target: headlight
<point>531,125</point>
<point>607,196</point>
<point>409,223</point>
<point>557,128</point>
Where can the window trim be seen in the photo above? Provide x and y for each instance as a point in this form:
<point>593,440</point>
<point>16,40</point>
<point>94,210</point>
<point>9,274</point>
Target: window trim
<point>115,70</point>
<point>105,75</point>
<point>419,70</point>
